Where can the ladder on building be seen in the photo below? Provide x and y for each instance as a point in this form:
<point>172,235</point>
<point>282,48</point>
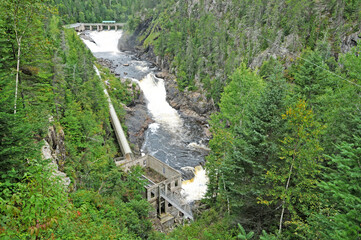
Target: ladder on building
<point>174,200</point>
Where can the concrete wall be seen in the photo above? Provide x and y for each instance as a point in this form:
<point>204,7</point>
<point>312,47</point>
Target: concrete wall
<point>127,165</point>
<point>173,182</point>
<point>161,168</point>
<point>153,163</point>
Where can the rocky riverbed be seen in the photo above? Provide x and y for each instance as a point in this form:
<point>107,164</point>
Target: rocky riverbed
<point>190,104</point>
<point>164,122</point>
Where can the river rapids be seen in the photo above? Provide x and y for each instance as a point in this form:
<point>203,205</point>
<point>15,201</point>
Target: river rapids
<point>171,138</point>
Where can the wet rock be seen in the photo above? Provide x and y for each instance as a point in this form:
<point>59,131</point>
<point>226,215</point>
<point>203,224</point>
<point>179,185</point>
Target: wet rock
<point>129,42</point>
<point>137,121</point>
<point>106,63</point>
<point>192,104</point>
<point>187,173</point>
<point>162,74</point>
<point>85,36</point>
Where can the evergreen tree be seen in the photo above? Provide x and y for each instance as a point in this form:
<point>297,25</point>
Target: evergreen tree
<point>238,101</point>
<point>255,149</point>
<point>294,177</point>
<point>341,194</point>
<point>312,77</point>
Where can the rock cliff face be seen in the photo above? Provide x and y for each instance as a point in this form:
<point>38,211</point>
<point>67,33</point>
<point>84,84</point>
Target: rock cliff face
<point>350,41</point>
<point>189,103</point>
<point>54,149</point>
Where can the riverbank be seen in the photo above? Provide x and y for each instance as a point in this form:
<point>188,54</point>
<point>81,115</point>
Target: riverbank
<point>159,121</point>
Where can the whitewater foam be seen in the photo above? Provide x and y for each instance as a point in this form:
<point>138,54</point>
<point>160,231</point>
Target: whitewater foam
<point>196,188</point>
<point>105,41</point>
<point>155,94</point>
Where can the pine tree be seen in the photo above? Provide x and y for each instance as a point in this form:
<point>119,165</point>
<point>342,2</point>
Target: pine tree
<point>238,101</point>
<point>255,148</point>
<point>312,77</point>
<point>340,216</point>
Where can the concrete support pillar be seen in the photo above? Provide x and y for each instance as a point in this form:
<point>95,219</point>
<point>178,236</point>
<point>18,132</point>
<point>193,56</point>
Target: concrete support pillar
<point>166,210</point>
<point>108,27</point>
<point>159,202</point>
<point>116,27</point>
<point>91,28</point>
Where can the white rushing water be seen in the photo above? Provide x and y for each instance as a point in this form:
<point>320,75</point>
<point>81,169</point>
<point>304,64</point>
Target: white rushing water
<point>165,117</point>
<point>105,41</point>
<point>155,93</point>
<point>196,188</point>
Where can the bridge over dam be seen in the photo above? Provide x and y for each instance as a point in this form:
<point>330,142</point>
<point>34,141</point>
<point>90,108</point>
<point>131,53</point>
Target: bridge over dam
<point>81,27</point>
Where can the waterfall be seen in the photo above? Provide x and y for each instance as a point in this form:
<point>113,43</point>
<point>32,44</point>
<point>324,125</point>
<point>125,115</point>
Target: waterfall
<point>155,94</point>
<point>170,138</point>
<point>105,41</point>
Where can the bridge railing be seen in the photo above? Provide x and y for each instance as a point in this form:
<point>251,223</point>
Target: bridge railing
<point>174,200</point>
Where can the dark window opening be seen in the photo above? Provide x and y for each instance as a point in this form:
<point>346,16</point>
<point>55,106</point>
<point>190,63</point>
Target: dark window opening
<point>162,207</point>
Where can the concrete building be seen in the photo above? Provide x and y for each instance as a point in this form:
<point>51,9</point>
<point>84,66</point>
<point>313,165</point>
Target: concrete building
<point>162,190</point>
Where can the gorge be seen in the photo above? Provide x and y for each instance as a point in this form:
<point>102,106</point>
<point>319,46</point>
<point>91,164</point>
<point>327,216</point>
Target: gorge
<point>175,140</point>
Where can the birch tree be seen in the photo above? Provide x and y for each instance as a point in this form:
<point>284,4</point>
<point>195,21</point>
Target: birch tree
<point>21,16</point>
<point>294,177</point>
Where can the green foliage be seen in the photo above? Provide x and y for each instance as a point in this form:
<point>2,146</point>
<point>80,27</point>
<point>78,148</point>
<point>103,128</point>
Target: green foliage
<point>266,236</point>
<point>97,216</point>
<point>294,177</point>
<point>209,226</point>
<point>341,190</point>
<point>57,81</point>
<point>216,39</point>
<point>34,205</point>
<point>243,235</point>
<point>34,91</point>
<point>236,104</point>
<point>99,10</point>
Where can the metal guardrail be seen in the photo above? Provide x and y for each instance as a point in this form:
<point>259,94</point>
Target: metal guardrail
<point>174,200</point>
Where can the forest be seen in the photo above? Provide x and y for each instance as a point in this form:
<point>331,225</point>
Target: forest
<point>285,80</point>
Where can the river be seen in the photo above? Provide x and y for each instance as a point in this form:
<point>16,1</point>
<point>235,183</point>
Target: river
<point>173,139</point>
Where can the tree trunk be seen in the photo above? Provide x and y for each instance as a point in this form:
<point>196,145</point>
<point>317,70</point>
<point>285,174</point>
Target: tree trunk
<point>283,204</point>
<point>17,73</point>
